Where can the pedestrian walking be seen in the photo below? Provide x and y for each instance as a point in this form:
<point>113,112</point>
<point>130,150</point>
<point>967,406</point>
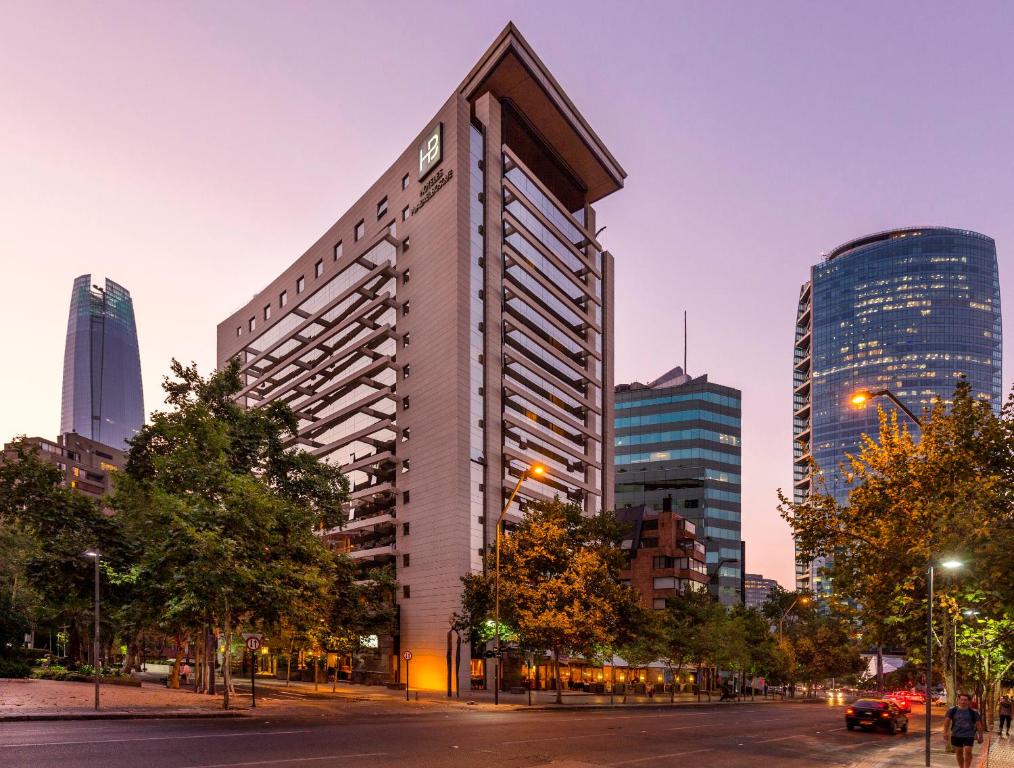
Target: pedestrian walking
<point>1006,709</point>
<point>185,673</point>
<point>963,726</point>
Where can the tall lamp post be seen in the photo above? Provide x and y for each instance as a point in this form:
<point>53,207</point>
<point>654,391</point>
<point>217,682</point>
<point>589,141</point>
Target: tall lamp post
<point>802,600</point>
<point>532,471</point>
<point>864,395</point>
<point>949,565</point>
<point>96,556</point>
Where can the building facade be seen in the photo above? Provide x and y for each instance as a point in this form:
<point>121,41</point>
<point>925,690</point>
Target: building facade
<point>678,446</point>
<point>452,328</point>
<point>102,397</point>
<point>666,559</point>
<point>757,589</point>
<point>87,465</point>
<point>909,310</point>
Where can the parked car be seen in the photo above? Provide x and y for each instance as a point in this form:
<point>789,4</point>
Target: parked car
<point>870,714</point>
<point>836,695</point>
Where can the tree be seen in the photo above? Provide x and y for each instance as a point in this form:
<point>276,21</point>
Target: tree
<point>223,514</point>
<point>913,501</point>
<point>559,583</point>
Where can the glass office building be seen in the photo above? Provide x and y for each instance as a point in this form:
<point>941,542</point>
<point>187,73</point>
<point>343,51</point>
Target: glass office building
<point>909,310</point>
<point>102,397</point>
<point>678,447</point>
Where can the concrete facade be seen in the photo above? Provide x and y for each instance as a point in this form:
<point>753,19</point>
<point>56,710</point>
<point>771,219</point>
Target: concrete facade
<point>449,330</point>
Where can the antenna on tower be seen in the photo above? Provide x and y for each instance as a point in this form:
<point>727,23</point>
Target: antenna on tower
<point>685,342</point>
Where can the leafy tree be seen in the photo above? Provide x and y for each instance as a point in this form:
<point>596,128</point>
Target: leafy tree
<point>559,583</point>
<point>222,513</point>
<point>913,501</point>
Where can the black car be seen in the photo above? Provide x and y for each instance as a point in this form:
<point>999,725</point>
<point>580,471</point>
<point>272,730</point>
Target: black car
<point>876,713</point>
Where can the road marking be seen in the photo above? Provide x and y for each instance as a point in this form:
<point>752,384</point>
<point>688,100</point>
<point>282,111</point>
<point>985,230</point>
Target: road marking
<point>659,757</point>
<point>558,738</point>
<point>286,760</point>
<point>780,738</point>
<point>149,738</point>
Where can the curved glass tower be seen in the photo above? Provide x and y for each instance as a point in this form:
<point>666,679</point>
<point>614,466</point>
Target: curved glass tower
<point>102,397</point>
<point>910,310</point>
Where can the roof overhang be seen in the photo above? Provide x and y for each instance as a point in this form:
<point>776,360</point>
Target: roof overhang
<point>510,70</point>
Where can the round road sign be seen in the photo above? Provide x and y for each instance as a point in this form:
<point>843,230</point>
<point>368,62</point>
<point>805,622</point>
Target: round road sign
<point>253,643</point>
<point>407,655</point>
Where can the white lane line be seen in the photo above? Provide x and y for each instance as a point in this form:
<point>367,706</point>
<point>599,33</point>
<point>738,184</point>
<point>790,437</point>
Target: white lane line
<point>779,738</point>
<point>659,757</point>
<point>149,738</point>
<point>287,760</point>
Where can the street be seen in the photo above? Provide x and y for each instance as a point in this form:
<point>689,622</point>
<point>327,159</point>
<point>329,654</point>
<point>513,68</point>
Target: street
<point>308,733</point>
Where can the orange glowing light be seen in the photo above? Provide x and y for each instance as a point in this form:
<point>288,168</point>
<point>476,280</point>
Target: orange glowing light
<point>860,398</point>
<point>537,469</point>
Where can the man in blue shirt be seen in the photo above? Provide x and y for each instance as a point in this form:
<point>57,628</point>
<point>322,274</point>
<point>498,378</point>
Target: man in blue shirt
<point>963,726</point>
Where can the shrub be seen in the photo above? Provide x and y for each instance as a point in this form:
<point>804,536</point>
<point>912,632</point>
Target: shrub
<point>14,668</point>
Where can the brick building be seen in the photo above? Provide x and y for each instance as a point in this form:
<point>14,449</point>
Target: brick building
<point>87,465</point>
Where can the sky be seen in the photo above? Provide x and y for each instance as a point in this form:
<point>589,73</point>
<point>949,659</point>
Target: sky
<point>192,150</point>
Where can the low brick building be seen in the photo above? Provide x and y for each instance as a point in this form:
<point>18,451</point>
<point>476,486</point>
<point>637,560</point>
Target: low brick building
<point>87,465</point>
<point>665,556</point>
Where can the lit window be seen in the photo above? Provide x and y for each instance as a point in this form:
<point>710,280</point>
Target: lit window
<point>318,268</point>
<point>404,213</point>
<point>360,230</point>
<point>382,208</point>
<point>267,312</point>
<point>300,284</point>
<point>283,298</point>
<point>239,330</point>
<point>252,324</point>
<point>404,181</point>
<point>338,250</point>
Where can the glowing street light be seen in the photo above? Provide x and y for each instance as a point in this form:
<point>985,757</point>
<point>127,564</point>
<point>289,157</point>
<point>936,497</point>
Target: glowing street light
<point>863,396</point>
<point>535,470</point>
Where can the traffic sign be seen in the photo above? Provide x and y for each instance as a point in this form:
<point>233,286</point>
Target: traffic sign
<point>253,642</point>
<point>407,655</point>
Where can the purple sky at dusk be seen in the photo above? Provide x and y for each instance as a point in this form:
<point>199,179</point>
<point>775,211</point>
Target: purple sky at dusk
<point>190,151</point>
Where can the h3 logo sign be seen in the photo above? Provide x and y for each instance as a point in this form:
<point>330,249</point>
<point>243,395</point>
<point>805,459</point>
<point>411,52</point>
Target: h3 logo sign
<point>431,150</point>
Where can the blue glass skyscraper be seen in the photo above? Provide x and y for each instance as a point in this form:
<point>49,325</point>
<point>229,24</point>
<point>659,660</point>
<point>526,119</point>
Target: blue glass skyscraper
<point>909,310</point>
<point>102,397</point>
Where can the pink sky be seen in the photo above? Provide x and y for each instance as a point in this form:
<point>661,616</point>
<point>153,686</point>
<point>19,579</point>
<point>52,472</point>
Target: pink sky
<point>192,150</point>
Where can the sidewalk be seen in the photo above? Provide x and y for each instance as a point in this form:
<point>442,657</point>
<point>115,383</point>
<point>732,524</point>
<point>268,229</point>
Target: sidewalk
<point>541,700</point>
<point>56,700</point>
<point>1001,753</point>
<point>993,753</point>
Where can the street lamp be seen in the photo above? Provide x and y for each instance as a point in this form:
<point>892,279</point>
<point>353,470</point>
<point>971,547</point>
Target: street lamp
<point>533,471</point>
<point>802,600</point>
<point>949,565</point>
<point>96,555</point>
<point>863,396</point>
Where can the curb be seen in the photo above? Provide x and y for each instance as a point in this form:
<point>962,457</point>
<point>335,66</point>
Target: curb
<point>122,716</point>
<point>618,706</point>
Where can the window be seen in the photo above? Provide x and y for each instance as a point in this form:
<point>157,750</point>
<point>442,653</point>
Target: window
<point>404,213</point>
<point>406,591</point>
<point>406,529</point>
<point>338,250</point>
<point>405,497</point>
<point>267,312</point>
<point>406,339</point>
<point>658,603</point>
<point>405,561</point>
<point>406,371</point>
<point>406,308</point>
<point>283,298</point>
<point>404,403</point>
<point>360,231</point>
<point>300,284</point>
<point>406,243</point>
<point>318,268</point>
<point>239,330</point>
<point>406,434</point>
<point>649,543</point>
<point>252,324</point>
<point>382,208</point>
<point>405,276</point>
<point>404,181</point>
<point>691,503</point>
<point>406,465</point>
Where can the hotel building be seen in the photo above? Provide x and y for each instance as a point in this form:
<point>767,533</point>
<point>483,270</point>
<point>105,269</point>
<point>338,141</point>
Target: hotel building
<point>452,328</point>
<point>909,310</point>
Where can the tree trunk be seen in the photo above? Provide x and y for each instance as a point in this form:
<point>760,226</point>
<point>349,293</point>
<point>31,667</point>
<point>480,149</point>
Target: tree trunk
<point>559,686</point>
<point>288,665</point>
<point>227,658</point>
<point>174,673</point>
<point>880,667</point>
<point>212,658</point>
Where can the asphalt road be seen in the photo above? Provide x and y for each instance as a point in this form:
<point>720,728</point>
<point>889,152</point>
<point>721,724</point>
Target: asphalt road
<point>325,736</point>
